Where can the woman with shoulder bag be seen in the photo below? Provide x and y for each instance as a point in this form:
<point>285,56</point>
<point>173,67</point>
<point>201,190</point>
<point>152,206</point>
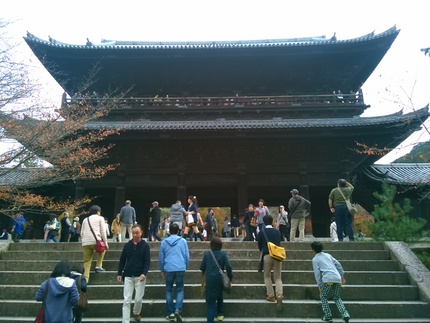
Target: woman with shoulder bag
<point>214,293</point>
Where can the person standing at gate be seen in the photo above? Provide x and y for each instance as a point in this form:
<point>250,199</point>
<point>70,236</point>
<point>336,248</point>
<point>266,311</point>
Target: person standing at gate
<point>192,210</point>
<point>210,224</point>
<point>173,260</point>
<point>65,227</point>
<point>328,274</point>
<point>282,223</point>
<point>337,205</point>
<point>177,213</point>
<point>260,212</point>
<point>155,215</point>
<point>132,269</point>
<point>299,210</point>
<point>116,229</point>
<point>127,215</point>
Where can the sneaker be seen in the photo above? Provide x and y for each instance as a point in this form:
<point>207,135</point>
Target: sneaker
<point>220,318</point>
<point>178,317</point>
<point>271,299</point>
<point>137,317</point>
<point>279,301</point>
<point>100,270</point>
<point>346,320</point>
<point>170,317</point>
<point>327,320</point>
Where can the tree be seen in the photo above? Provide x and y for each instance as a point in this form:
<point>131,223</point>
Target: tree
<point>58,136</point>
<point>392,219</point>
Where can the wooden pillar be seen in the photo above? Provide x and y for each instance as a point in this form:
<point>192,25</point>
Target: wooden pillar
<point>119,194</point>
<point>79,190</point>
<point>242,193</point>
<point>181,190</point>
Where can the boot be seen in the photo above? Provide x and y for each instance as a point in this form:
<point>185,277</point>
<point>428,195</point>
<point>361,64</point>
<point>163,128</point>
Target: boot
<point>200,236</point>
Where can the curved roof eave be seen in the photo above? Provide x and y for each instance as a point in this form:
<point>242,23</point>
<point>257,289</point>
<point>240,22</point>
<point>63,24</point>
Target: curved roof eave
<point>221,124</point>
<point>307,41</point>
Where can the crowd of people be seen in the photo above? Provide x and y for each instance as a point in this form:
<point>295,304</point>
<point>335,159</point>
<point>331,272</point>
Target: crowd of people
<point>61,291</point>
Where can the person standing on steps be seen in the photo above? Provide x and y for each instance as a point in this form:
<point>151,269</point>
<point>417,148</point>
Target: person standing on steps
<point>97,223</point>
<point>155,216</point>
<point>337,205</point>
<point>173,259</point>
<point>132,269</point>
<point>270,264</point>
<point>282,223</point>
<point>299,210</point>
<point>214,291</point>
<point>192,210</point>
<point>116,229</point>
<point>65,227</point>
<point>127,215</point>
<point>328,274</point>
<point>177,213</point>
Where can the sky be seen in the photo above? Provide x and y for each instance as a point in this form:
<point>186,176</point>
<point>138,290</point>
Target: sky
<point>400,82</point>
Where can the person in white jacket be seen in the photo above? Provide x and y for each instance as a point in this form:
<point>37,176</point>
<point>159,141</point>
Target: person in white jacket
<point>98,225</point>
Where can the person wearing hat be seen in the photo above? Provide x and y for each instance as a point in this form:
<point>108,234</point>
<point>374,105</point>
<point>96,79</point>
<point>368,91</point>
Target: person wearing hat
<point>283,224</point>
<point>155,215</point>
<point>299,210</point>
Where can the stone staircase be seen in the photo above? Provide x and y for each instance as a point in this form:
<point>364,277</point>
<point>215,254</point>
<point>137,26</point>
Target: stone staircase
<point>379,287</point>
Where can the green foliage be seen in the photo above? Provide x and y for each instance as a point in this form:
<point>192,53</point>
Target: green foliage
<point>424,257</point>
<point>392,220</point>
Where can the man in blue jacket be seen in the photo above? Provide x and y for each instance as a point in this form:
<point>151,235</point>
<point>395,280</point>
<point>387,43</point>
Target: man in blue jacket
<point>173,260</point>
<point>133,266</point>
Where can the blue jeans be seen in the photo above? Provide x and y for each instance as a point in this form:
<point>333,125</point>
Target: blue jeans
<point>215,308</point>
<point>52,234</point>
<point>153,230</point>
<point>176,277</point>
<point>343,222</point>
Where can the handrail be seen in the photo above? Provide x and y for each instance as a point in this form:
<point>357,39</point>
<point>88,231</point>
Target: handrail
<point>226,101</point>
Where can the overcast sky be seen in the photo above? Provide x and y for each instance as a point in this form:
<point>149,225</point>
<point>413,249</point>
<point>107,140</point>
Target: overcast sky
<point>404,72</point>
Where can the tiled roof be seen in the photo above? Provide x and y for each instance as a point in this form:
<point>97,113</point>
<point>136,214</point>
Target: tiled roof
<point>115,44</point>
<point>401,173</point>
<point>275,123</point>
<point>19,175</point>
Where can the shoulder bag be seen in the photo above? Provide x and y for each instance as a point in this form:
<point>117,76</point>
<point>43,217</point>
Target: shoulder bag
<point>225,279</point>
<point>100,244</point>
<point>352,208</point>
<point>276,252</point>
<point>190,220</point>
<point>83,299</point>
<point>41,315</point>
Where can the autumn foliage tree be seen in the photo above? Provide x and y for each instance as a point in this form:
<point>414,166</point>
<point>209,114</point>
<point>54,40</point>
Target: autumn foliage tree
<point>57,136</point>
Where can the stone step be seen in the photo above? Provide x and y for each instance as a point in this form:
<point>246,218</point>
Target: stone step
<point>248,309</point>
<point>197,254</point>
<point>237,264</point>
<point>328,246</point>
<point>378,287</point>
<point>240,291</point>
<point>21,319</point>
<point>245,277</point>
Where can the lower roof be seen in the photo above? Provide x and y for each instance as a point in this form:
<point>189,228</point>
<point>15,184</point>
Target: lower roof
<point>416,174</point>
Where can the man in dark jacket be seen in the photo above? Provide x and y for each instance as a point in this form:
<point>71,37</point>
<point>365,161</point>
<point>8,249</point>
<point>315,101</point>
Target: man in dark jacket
<point>133,266</point>
<point>155,215</point>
